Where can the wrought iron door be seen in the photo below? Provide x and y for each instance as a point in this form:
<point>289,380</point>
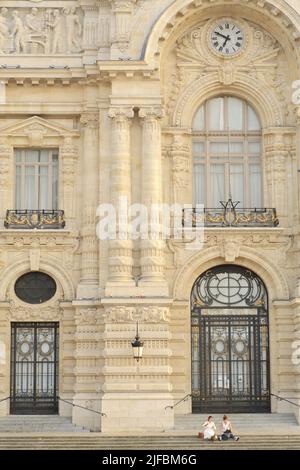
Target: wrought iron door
<point>34,368</point>
<point>230,345</point>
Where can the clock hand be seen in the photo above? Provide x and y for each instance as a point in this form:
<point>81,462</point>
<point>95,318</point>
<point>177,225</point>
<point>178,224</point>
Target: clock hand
<point>222,35</point>
<point>227,39</point>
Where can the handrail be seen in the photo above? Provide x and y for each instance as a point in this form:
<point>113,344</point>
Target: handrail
<point>180,401</point>
<point>83,407</point>
<point>285,399</point>
<point>4,399</point>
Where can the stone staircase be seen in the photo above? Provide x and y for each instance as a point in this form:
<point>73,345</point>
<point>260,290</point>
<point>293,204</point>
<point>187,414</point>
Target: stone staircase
<point>257,432</point>
<point>38,423</point>
<point>96,441</point>
<point>244,423</point>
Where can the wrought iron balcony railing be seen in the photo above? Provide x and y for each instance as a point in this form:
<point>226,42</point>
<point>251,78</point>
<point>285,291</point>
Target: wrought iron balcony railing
<point>229,216</point>
<point>38,219</point>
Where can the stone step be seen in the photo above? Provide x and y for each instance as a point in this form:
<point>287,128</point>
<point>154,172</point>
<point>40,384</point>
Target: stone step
<point>99,442</point>
<point>38,423</point>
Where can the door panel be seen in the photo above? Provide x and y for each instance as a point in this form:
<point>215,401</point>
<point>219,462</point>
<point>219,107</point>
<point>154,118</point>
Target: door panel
<point>34,368</point>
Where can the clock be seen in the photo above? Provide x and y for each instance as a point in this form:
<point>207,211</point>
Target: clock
<point>227,37</point>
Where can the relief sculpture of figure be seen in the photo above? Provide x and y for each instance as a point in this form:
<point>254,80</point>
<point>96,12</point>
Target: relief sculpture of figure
<point>32,21</point>
<point>18,33</point>
<point>34,29</point>
<point>4,32</point>
<point>57,26</point>
<point>74,28</point>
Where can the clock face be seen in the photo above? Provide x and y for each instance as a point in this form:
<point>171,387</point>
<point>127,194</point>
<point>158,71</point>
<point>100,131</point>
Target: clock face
<point>227,38</point>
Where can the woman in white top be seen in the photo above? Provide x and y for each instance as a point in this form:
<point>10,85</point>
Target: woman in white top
<point>210,430</point>
<point>227,430</point>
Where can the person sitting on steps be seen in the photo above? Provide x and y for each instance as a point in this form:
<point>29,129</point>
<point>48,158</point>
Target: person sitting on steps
<point>210,430</point>
<point>227,430</point>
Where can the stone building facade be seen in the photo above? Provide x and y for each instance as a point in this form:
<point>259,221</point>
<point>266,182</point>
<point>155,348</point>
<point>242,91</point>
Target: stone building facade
<point>103,94</point>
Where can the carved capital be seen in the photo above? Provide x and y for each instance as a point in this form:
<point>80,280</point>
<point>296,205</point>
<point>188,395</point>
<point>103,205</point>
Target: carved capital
<point>120,114</point>
<point>151,113</point>
<point>122,6</point>
<point>89,119</point>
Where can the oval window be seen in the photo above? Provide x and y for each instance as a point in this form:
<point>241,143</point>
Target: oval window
<point>35,287</point>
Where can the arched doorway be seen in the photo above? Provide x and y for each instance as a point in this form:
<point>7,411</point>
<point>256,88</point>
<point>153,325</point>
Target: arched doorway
<point>34,351</point>
<point>230,342</point>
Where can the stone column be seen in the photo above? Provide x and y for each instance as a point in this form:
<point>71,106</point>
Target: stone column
<point>87,355</point>
<point>88,287</point>
<point>153,247</point>
<point>276,172</point>
<point>120,248</point>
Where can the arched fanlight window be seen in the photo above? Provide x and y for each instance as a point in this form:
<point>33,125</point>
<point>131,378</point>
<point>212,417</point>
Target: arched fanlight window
<point>227,153</point>
<point>229,286</point>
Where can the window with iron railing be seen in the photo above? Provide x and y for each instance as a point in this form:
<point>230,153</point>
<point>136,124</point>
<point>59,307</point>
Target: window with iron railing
<point>36,179</point>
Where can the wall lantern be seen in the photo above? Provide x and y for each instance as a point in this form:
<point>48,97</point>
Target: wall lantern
<point>137,345</point>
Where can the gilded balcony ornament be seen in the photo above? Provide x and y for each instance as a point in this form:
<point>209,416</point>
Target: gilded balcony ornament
<point>34,219</point>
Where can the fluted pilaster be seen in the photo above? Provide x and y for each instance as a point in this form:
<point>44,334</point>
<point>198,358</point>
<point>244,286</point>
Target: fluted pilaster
<point>152,248</point>
<point>120,249</point>
<point>89,257</point>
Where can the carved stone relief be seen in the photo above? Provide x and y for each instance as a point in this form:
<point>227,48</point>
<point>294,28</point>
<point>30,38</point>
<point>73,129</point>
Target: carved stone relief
<point>40,30</point>
<point>29,312</point>
<point>195,60</point>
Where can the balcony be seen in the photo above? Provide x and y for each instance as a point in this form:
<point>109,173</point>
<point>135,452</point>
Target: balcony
<point>34,219</point>
<point>229,216</point>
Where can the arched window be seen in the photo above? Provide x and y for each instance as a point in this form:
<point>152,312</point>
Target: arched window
<point>227,153</point>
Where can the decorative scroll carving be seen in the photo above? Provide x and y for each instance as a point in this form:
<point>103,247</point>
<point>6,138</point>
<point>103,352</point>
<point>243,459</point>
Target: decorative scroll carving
<point>25,312</point>
<point>143,314</point>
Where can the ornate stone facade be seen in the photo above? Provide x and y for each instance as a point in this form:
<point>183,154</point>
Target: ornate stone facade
<point>114,86</point>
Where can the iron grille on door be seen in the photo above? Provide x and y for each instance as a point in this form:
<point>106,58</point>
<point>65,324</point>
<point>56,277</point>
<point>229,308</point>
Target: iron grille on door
<point>34,368</point>
<point>230,350</point>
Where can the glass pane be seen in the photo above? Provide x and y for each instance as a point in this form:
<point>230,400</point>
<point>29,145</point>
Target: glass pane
<point>18,188</point>
<point>30,193</point>
<point>237,183</point>
<point>43,188</point>
<point>55,156</point>
<point>253,120</point>
<point>198,147</point>
<point>216,114</point>
<point>199,184</point>
<point>199,120</point>
<point>32,156</point>
<point>55,187</point>
<point>44,156</point>
<point>255,186</point>
<point>217,184</point>
<point>222,147</point>
<point>254,147</point>
<point>18,154</point>
<point>235,114</point>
